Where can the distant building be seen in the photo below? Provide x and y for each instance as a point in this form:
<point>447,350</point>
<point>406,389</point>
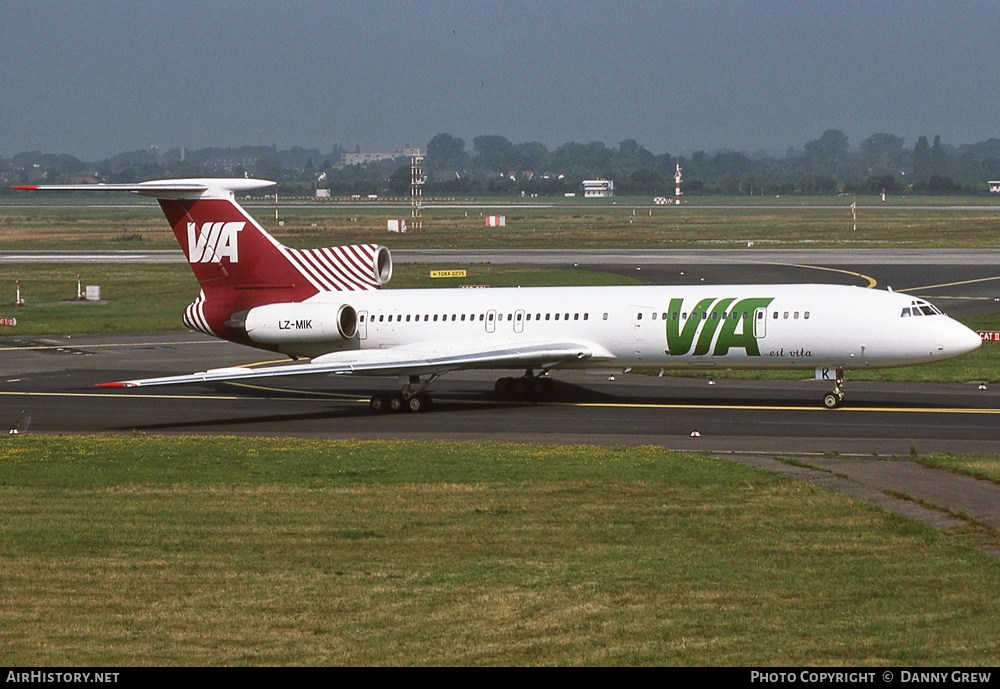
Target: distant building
<point>446,176</point>
<point>365,158</point>
<point>994,186</point>
<point>598,188</point>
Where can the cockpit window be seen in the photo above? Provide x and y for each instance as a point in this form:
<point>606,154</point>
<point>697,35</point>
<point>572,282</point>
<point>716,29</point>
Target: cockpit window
<point>919,307</point>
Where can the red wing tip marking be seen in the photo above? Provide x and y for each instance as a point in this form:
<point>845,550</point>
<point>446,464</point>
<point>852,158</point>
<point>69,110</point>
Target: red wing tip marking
<point>114,385</point>
<point>26,187</point>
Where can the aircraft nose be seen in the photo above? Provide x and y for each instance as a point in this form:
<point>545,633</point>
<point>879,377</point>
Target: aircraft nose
<point>961,340</point>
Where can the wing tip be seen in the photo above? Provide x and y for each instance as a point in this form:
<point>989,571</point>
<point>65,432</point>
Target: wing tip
<point>115,385</point>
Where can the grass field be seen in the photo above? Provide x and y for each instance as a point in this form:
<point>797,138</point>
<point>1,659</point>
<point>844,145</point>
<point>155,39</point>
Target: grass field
<point>153,297</point>
<point>623,226</point>
<point>121,551</point>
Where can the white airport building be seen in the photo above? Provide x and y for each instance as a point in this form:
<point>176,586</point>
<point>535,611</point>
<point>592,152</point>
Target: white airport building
<point>598,188</point>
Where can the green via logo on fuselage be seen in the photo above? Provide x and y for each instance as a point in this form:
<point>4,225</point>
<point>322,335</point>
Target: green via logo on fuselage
<point>708,316</point>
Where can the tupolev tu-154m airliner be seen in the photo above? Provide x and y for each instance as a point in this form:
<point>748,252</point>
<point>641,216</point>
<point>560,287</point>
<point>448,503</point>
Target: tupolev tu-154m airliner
<point>325,305</point>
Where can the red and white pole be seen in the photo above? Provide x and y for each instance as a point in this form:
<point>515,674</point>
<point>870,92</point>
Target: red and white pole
<point>79,289</point>
<point>18,301</point>
<point>677,184</point>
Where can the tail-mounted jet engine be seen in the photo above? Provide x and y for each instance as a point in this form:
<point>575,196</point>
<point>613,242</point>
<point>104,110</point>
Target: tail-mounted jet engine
<point>297,323</point>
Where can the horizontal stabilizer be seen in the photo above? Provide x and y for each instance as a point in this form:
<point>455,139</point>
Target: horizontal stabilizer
<point>208,187</point>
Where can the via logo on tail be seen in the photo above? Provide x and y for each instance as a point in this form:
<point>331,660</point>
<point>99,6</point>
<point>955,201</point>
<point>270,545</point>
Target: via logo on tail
<point>736,331</point>
<point>216,240</point>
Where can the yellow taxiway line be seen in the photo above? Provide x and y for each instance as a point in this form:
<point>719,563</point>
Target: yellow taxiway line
<point>597,405</point>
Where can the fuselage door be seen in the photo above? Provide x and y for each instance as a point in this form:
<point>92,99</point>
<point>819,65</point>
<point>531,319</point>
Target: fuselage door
<point>519,321</point>
<point>638,328</point>
<point>491,320</point>
<point>759,323</point>
<point>362,325</point>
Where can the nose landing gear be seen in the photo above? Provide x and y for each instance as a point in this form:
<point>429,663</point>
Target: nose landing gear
<point>835,398</point>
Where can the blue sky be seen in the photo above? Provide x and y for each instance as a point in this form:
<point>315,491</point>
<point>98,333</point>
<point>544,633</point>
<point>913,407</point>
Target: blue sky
<point>97,78</point>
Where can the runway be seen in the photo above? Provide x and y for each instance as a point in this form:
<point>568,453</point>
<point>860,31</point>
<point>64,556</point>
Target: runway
<point>46,384</point>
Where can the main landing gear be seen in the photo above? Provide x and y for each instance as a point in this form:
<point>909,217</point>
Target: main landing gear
<point>835,397</point>
<point>524,386</point>
<point>383,402</point>
<point>410,398</point>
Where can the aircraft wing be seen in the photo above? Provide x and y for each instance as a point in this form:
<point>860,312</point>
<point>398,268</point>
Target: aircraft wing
<point>406,360</point>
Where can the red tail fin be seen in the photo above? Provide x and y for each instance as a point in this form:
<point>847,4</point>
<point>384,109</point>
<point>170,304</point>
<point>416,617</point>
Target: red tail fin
<point>237,263</point>
<point>240,266</point>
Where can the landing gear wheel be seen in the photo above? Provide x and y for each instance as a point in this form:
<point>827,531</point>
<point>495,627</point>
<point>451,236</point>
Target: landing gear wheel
<point>504,386</point>
<point>397,403</point>
<point>418,403</point>
<point>379,403</point>
<point>832,400</point>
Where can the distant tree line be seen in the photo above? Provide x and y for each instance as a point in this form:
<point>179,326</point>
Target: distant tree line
<point>496,166</point>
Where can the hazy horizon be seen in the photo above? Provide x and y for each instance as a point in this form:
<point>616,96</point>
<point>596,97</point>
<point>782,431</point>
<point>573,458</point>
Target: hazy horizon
<point>97,79</point>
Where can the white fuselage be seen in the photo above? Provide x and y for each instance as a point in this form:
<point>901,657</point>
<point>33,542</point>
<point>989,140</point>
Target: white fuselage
<point>727,326</point>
